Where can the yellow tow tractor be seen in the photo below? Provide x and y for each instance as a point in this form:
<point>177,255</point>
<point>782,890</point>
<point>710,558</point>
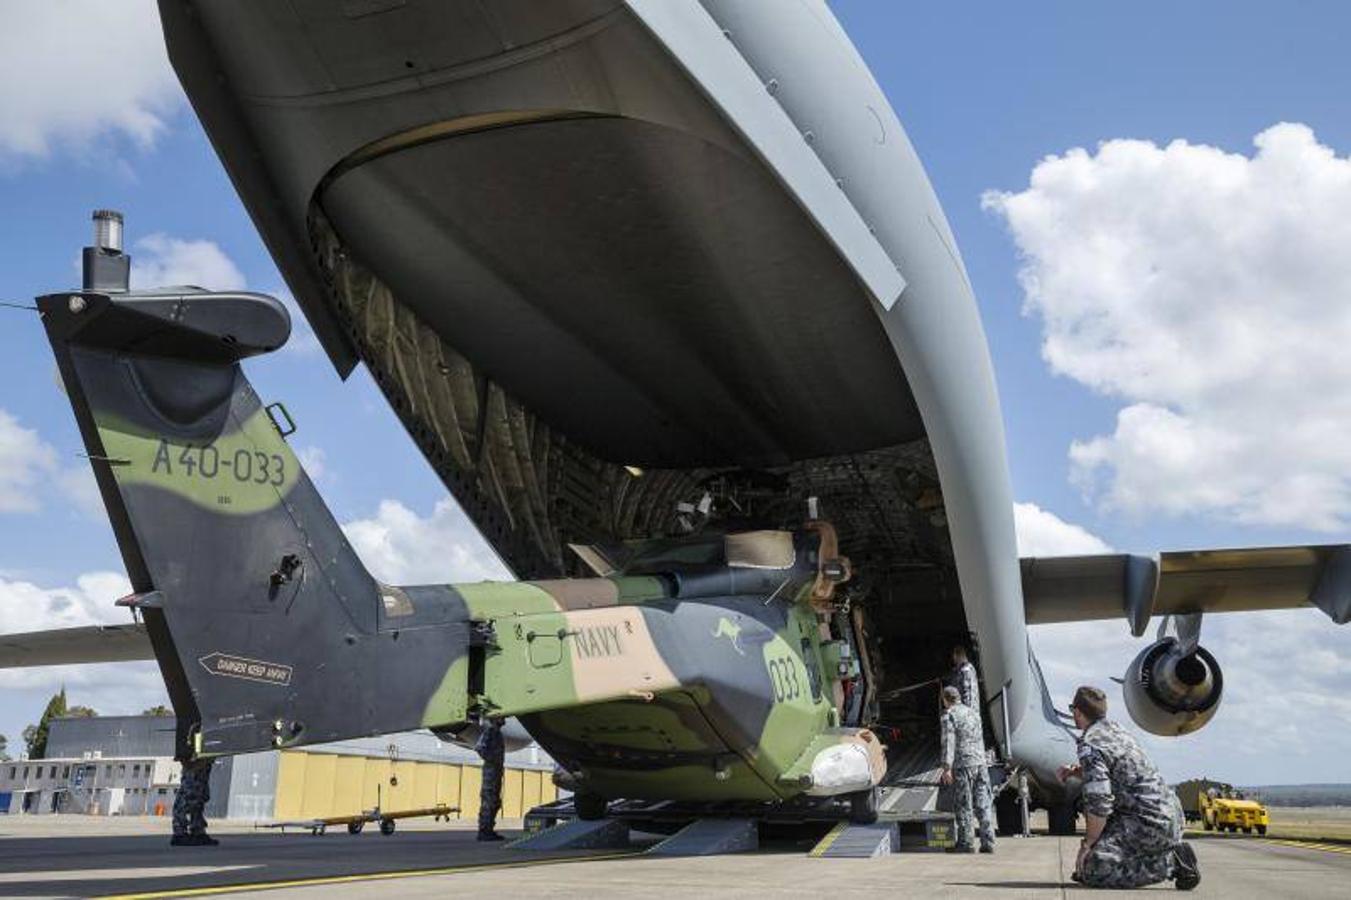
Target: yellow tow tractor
<point>1221,813</point>
<point>1222,807</point>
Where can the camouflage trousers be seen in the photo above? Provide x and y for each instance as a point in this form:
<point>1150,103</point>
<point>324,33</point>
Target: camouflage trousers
<point>1129,855</point>
<point>490,797</point>
<point>194,792</point>
<point>971,790</point>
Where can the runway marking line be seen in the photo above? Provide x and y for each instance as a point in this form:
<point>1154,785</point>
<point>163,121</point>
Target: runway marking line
<point>369,876</point>
<point>1308,845</point>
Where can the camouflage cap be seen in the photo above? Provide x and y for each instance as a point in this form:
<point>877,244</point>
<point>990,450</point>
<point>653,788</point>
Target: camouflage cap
<point>1090,701</point>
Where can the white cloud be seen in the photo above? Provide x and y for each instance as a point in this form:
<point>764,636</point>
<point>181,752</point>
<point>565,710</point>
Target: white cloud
<point>1043,533</point>
<point>401,547</point>
<point>159,260</point>
<point>1211,293</point>
<point>313,459</point>
<point>1286,711</point>
<point>25,460</point>
<point>30,470</point>
<point>73,72</point>
<point>25,606</point>
<point>303,340</point>
<point>78,486</point>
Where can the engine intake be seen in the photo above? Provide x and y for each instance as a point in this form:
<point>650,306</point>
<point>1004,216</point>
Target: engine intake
<point>1169,692</point>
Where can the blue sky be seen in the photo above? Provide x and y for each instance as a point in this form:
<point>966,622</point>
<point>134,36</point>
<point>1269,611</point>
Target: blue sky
<point>987,92</point>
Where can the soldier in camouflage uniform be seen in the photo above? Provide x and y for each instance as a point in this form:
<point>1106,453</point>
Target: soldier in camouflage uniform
<point>964,768</point>
<point>492,750</point>
<point>194,792</point>
<point>1134,820</point>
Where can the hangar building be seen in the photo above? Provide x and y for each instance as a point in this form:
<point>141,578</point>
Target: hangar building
<point>123,765</point>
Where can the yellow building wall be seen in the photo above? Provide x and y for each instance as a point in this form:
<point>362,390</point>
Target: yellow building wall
<point>290,785</point>
<point>448,784</point>
<point>530,788</point>
<point>398,790</point>
<point>320,776</point>
<point>511,793</point>
<point>315,785</point>
<point>349,785</point>
<point>471,782</point>
<point>374,777</point>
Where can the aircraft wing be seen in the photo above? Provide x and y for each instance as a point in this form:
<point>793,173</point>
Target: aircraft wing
<point>67,646</point>
<point>1079,588</point>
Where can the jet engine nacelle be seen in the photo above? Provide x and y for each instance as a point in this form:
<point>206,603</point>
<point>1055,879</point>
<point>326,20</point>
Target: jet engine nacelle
<point>1171,692</point>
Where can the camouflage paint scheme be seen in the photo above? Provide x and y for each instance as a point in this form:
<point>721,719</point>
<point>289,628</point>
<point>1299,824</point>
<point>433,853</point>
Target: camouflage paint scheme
<point>699,681</point>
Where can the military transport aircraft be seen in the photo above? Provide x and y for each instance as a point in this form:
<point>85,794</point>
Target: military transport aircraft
<point>662,292</point>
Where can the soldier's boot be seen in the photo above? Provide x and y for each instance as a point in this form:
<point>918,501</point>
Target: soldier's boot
<point>487,820</point>
<point>1186,871</point>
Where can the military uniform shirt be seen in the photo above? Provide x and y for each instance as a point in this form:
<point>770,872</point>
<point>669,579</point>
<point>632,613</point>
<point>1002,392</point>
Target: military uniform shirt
<point>490,744</point>
<point>1119,778</point>
<point>964,679</point>
<point>963,744</point>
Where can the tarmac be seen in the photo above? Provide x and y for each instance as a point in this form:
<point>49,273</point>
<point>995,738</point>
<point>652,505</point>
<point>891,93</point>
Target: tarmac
<point>64,856</point>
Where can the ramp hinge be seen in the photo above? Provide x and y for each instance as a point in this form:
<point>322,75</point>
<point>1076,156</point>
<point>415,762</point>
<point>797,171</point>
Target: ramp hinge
<point>482,634</point>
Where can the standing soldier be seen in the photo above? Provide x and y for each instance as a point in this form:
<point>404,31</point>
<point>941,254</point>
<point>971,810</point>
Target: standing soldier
<point>492,750</point>
<point>194,792</point>
<point>1133,834</point>
<point>964,767</point>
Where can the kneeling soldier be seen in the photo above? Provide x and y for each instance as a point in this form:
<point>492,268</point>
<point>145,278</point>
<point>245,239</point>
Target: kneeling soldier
<point>1133,834</point>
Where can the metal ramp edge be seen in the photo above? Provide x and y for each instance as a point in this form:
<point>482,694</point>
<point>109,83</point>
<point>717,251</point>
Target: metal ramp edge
<point>849,841</point>
<point>910,789</point>
<point>911,801</point>
<point>707,837</point>
<point>577,834</point>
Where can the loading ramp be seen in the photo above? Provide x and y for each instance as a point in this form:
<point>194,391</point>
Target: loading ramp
<point>709,837</point>
<point>576,834</point>
<point>910,817</point>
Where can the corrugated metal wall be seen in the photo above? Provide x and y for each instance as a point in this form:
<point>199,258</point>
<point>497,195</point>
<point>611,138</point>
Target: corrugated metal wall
<point>252,787</point>
<point>311,785</point>
<point>111,735</point>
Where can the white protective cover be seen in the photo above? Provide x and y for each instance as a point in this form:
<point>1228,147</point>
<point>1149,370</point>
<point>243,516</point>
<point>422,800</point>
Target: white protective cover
<point>841,769</point>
